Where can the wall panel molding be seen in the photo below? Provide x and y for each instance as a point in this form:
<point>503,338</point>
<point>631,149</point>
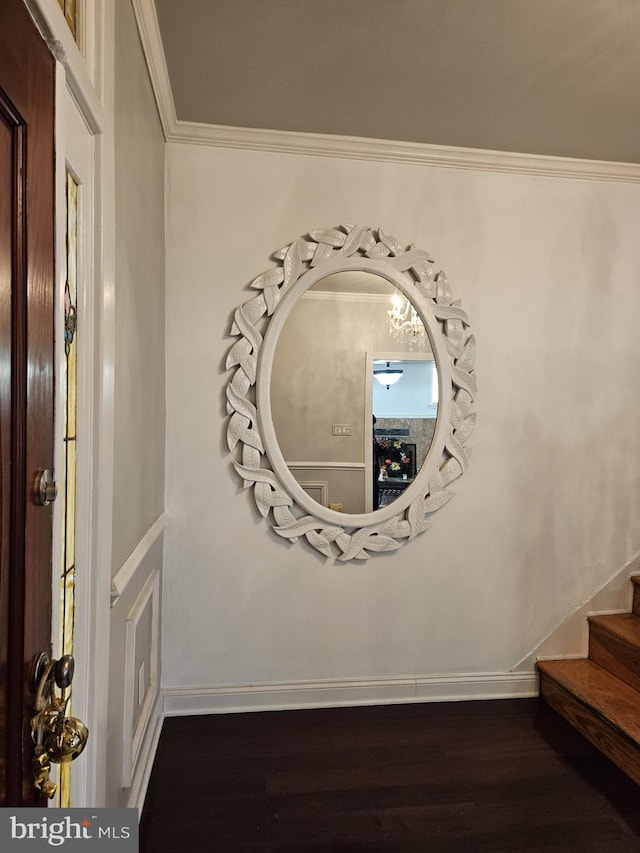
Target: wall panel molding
<point>130,566</point>
<point>142,774</point>
<point>179,701</point>
<point>317,489</point>
<point>140,674</point>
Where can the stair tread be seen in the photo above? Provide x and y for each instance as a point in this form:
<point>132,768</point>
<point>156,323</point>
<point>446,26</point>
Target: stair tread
<point>626,626</point>
<point>608,696</point>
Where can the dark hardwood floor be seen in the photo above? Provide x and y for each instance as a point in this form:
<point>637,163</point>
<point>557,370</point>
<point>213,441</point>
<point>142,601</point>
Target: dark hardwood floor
<point>464,777</point>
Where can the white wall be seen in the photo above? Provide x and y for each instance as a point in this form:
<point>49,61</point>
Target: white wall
<point>139,417</point>
<point>549,510</point>
<point>139,352</point>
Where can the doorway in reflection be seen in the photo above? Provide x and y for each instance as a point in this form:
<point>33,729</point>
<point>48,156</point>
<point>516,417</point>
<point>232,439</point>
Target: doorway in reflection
<point>405,412</point>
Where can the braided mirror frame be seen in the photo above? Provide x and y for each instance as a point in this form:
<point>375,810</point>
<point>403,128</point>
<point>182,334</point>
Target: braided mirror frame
<point>257,324</point>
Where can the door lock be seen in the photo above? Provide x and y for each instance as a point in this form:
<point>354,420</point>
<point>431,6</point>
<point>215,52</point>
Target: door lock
<point>45,488</point>
<point>57,738</point>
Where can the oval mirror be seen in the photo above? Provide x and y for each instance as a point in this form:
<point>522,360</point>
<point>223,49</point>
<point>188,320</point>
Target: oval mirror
<point>364,387</point>
<point>352,351</point>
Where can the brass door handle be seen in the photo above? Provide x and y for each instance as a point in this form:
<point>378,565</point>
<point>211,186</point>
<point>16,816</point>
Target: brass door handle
<point>57,737</point>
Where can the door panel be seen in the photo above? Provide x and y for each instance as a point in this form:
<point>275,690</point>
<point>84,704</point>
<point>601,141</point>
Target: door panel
<point>5,418</point>
<point>26,380</point>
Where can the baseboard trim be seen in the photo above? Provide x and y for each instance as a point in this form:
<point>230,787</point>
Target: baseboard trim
<point>240,698</point>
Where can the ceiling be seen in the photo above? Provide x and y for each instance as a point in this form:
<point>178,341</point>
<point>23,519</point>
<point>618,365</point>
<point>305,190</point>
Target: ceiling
<point>546,77</point>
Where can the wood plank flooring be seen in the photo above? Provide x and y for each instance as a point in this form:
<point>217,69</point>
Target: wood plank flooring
<point>463,777</point>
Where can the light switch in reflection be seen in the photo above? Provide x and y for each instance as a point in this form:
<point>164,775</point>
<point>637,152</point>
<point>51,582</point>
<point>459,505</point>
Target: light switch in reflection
<point>340,429</point>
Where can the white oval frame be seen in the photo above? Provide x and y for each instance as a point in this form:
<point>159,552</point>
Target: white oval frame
<point>300,265</point>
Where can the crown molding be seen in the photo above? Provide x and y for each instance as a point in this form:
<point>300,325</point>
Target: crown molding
<point>392,151</point>
<point>149,31</point>
<point>352,147</point>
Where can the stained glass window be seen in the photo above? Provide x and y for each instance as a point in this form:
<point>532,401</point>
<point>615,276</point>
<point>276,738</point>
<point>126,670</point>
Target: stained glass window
<point>68,474</point>
<point>69,9</point>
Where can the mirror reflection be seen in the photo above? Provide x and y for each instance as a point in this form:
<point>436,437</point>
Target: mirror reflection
<point>404,422</point>
<point>332,375</point>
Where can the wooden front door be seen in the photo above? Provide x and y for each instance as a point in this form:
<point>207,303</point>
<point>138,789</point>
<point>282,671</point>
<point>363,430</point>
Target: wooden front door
<point>26,380</point>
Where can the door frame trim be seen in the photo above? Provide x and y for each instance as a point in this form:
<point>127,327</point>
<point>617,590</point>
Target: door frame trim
<point>90,81</point>
<point>84,74</point>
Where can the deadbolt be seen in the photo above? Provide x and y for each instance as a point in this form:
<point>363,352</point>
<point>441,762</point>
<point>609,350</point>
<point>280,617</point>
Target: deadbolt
<point>45,488</point>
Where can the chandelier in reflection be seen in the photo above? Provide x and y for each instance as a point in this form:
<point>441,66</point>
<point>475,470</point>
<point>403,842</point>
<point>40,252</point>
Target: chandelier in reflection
<point>404,321</point>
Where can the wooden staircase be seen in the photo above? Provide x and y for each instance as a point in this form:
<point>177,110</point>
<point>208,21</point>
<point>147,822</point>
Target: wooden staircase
<point>600,695</point>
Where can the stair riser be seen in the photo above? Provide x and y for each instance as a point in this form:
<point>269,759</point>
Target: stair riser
<point>615,655</point>
<point>636,599</point>
<point>623,753</point>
